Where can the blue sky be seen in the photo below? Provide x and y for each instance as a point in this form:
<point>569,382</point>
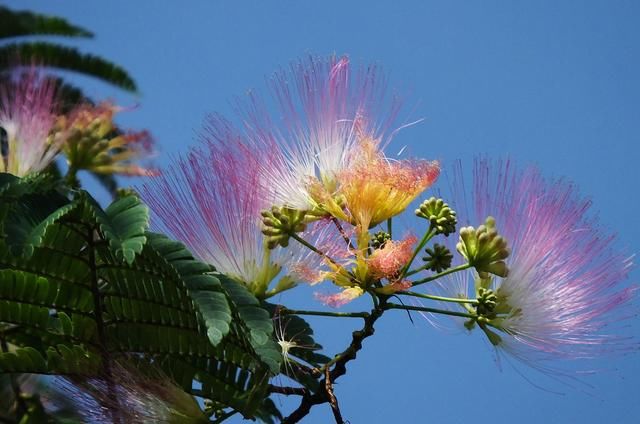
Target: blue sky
<point>554,83</point>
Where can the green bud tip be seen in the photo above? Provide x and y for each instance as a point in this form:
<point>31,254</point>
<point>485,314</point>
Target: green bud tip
<point>441,217</point>
<point>279,223</point>
<point>379,239</point>
<point>484,248</point>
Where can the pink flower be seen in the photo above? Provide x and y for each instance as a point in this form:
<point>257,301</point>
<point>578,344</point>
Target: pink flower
<point>339,299</point>
<point>389,260</point>
<point>563,291</point>
<point>324,109</point>
<point>91,140</point>
<point>28,106</point>
<point>211,200</point>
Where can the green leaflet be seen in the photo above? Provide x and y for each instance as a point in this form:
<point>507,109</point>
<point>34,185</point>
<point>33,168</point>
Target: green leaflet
<point>257,320</point>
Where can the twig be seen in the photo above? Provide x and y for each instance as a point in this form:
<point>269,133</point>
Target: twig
<point>339,366</point>
<point>288,391</point>
<point>342,232</point>
<point>286,311</point>
<point>333,401</point>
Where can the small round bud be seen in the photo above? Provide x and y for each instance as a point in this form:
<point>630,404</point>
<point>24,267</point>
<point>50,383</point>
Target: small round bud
<point>379,239</point>
<point>441,217</point>
<point>487,301</point>
<point>438,258</point>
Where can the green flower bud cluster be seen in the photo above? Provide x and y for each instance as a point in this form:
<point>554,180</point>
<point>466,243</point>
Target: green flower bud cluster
<point>439,214</point>
<point>484,248</point>
<point>379,239</point>
<point>438,258</point>
<point>487,302</point>
<point>279,223</point>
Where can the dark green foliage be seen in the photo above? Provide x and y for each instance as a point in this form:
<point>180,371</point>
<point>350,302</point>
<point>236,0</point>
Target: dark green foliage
<point>15,24</point>
<point>25,23</point>
<point>15,52</point>
<point>67,58</point>
<point>82,288</point>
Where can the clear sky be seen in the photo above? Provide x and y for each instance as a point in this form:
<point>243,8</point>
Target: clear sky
<point>555,83</point>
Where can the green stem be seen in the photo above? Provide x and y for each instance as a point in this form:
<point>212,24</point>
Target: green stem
<point>286,311</point>
<point>432,310</point>
<point>415,271</point>
<point>389,227</point>
<point>442,274</point>
<point>440,298</point>
<point>99,310</point>
<point>425,239</point>
<point>71,179</point>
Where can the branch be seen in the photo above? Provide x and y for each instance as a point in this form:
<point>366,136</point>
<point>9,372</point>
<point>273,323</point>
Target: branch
<point>286,311</point>
<point>339,368</point>
<point>287,391</point>
<point>333,401</point>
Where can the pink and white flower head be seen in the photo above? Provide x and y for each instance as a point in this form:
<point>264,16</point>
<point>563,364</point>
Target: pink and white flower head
<point>563,291</point>
<point>211,200</point>
<point>387,261</point>
<point>324,108</point>
<point>28,107</point>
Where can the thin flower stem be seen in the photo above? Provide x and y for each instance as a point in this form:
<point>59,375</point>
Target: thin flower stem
<point>416,270</point>
<point>286,311</point>
<point>312,248</point>
<point>440,298</point>
<point>71,179</point>
<point>442,274</point>
<point>389,227</point>
<point>425,239</point>
<point>432,310</point>
<point>275,291</point>
<point>344,235</point>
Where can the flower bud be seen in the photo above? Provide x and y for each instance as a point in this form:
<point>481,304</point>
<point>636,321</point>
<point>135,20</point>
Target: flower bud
<point>279,223</point>
<point>438,258</point>
<point>439,214</point>
<point>379,239</point>
<point>484,248</point>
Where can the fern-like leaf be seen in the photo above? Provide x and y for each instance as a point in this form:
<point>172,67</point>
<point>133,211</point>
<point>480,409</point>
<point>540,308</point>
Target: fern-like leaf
<point>20,23</point>
<point>68,58</point>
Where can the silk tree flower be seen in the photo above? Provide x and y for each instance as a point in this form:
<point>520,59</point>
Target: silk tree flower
<point>359,272</point>
<point>28,107</point>
<point>387,261</point>
<point>374,188</point>
<point>341,298</point>
<point>324,110</point>
<point>563,292</point>
<point>211,200</point>
<point>92,141</point>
